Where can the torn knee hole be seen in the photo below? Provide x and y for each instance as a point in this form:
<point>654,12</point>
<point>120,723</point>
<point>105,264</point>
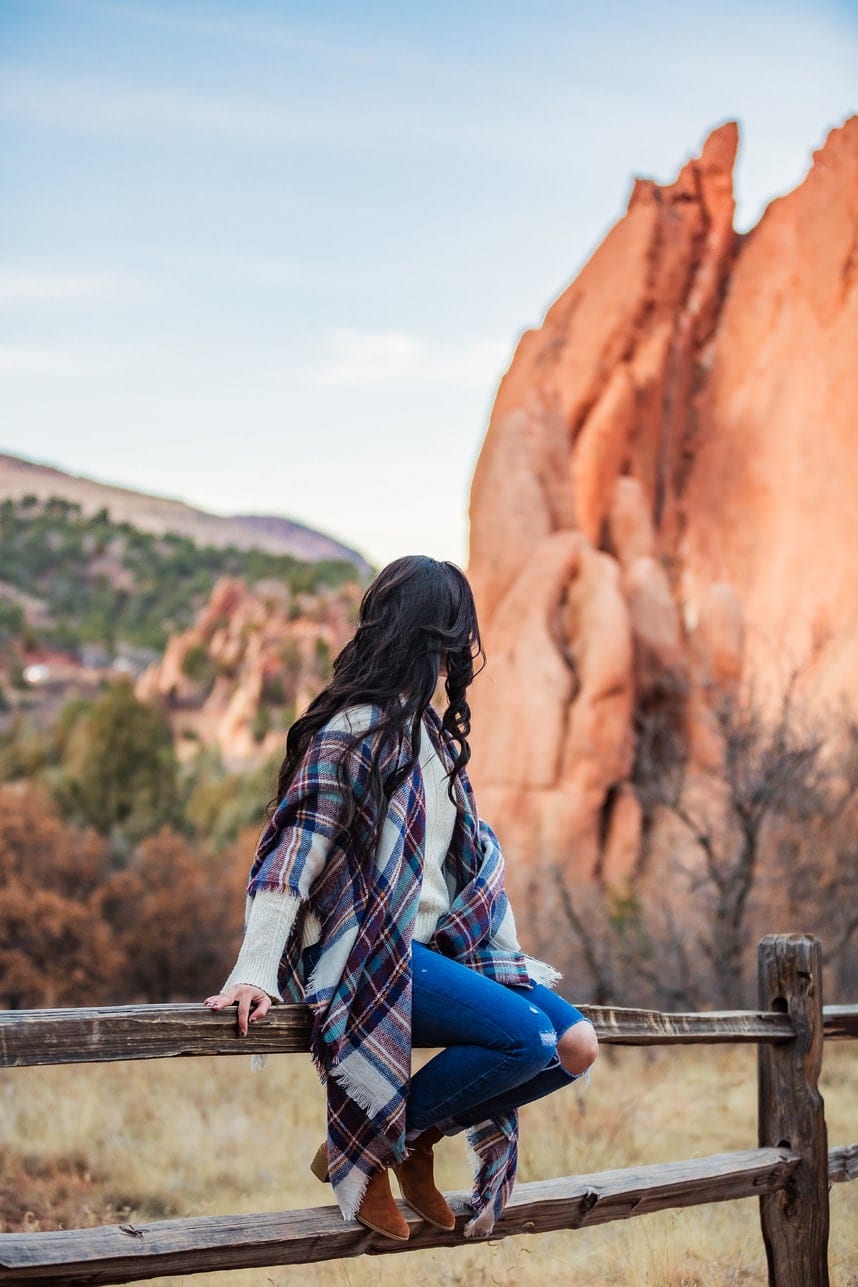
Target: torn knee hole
<point>577,1052</point>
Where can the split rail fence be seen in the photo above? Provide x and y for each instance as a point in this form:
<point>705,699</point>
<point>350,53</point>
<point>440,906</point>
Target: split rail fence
<point>789,1172</point>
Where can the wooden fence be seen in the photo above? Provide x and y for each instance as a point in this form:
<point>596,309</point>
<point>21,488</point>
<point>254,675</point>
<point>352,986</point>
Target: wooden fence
<point>789,1172</point>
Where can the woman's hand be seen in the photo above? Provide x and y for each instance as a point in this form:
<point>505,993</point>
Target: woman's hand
<point>253,1003</point>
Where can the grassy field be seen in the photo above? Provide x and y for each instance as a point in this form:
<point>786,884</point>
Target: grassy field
<point>89,1145</point>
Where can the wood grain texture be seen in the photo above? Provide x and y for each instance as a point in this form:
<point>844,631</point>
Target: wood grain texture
<point>125,1253</point>
<point>840,1022</point>
<point>621,1026</point>
<point>102,1034</point>
<point>795,1220</point>
<point>843,1164</point>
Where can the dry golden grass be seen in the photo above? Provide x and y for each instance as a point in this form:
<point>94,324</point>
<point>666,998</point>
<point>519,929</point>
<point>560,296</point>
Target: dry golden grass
<point>204,1136</point>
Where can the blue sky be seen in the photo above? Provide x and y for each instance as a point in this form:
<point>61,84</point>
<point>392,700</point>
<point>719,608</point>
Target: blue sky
<point>274,257</point>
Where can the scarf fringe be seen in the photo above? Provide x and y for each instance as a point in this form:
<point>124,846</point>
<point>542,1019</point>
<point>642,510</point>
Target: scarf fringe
<point>482,1222</point>
<point>350,1185</point>
<point>542,972</point>
<point>492,1150</point>
<point>480,1226</point>
<point>349,1195</point>
<point>355,1090</point>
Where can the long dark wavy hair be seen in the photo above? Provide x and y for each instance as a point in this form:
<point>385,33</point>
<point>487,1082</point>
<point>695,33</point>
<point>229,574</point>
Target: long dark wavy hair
<point>417,615</point>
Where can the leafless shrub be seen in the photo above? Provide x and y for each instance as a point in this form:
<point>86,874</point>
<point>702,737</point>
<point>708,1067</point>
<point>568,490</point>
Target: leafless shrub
<point>761,840</point>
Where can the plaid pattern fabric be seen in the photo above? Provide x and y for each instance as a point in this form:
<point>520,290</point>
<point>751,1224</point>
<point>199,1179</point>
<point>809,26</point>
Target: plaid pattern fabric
<point>359,992</point>
<point>493,1147</point>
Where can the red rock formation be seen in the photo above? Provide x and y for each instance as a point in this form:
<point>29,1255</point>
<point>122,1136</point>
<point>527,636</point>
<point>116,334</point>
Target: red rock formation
<point>773,477</point>
<point>661,502</point>
<point>250,651</point>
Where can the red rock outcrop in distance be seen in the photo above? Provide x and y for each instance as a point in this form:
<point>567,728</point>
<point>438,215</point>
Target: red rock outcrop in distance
<point>257,650</point>
<point>665,494</point>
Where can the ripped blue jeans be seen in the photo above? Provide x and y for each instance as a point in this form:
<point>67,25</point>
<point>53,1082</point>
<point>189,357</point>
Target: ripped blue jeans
<point>500,1043</point>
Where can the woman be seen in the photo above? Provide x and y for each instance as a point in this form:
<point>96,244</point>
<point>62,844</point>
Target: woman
<point>376,896</point>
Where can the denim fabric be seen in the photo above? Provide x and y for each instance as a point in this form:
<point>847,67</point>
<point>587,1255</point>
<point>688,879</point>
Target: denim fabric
<point>500,1042</point>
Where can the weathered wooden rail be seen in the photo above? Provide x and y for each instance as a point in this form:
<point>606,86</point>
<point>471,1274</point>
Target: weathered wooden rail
<point>790,1171</point>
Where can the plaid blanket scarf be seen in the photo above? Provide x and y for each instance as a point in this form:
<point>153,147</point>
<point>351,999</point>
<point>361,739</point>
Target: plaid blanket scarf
<point>359,991</point>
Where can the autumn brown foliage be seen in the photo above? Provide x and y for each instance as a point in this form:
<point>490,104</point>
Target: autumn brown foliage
<point>178,915</point>
<point>54,946</point>
<point>75,929</point>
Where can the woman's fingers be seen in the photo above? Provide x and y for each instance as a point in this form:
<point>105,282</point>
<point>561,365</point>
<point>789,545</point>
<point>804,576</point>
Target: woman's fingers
<point>245,997</point>
<point>219,1000</point>
<point>260,1009</point>
<point>253,1003</point>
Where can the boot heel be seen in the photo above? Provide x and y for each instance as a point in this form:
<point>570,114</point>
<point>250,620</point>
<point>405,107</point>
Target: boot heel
<point>319,1165</point>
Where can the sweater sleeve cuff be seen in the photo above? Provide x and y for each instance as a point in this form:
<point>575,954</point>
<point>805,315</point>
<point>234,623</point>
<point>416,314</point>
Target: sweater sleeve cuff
<point>271,915</point>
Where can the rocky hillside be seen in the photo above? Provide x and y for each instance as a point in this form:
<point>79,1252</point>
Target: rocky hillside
<point>84,598</point>
<point>159,515</point>
<point>252,660</point>
<point>72,580</point>
<point>663,504</point>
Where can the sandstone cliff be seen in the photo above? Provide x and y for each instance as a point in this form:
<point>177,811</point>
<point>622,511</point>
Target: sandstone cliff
<point>248,666</point>
<point>663,502</point>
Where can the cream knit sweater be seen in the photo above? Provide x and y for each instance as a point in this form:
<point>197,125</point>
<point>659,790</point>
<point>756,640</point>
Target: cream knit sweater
<point>270,915</point>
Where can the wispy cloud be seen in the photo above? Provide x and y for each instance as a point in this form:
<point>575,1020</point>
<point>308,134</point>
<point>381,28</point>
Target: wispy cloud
<point>100,107</point>
<point>113,109</point>
<point>26,284</point>
<point>268,272</point>
<point>250,29</point>
<point>25,360</point>
<point>373,359</point>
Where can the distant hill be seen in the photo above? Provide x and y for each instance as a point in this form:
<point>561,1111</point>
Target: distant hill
<point>71,580</point>
<point>160,515</point>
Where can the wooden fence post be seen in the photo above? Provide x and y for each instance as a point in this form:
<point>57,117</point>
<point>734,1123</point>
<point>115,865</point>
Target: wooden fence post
<point>791,1113</point>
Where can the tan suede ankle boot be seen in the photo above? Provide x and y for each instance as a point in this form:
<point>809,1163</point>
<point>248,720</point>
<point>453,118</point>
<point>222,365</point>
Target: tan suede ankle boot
<point>417,1182</point>
<point>319,1164</point>
<point>378,1210</point>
